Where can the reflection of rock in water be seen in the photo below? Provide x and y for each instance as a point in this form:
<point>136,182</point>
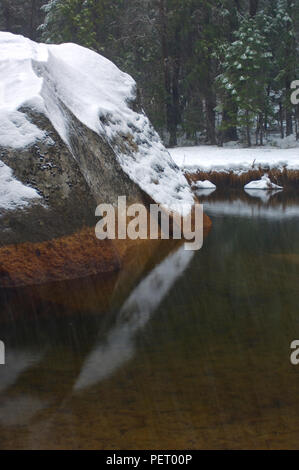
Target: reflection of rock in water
<point>108,355</point>
<point>19,410</point>
<point>251,208</point>
<point>264,196</point>
<point>204,192</point>
<point>17,362</point>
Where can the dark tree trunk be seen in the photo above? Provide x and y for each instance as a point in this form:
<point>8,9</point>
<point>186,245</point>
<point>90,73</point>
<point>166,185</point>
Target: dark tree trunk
<point>290,50</point>
<point>266,111</point>
<point>209,93</point>
<point>281,120</point>
<point>296,122</point>
<point>175,112</point>
<point>7,15</point>
<point>259,134</point>
<point>253,7</point>
<point>230,108</point>
<point>238,6</point>
<point>261,127</point>
<point>289,113</point>
<point>171,70</point>
<point>32,27</point>
<point>248,136</point>
<point>211,118</point>
<point>210,99</point>
<point>248,130</point>
<point>289,122</point>
<point>229,116</point>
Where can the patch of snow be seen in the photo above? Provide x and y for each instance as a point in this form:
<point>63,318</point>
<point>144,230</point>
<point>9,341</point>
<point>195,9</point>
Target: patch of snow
<point>232,144</point>
<point>203,185</point>
<point>13,193</point>
<point>16,131</point>
<point>263,184</point>
<point>212,158</point>
<point>286,143</point>
<point>51,78</point>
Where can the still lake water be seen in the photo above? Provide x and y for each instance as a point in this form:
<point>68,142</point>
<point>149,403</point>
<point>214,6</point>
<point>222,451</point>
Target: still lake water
<point>195,355</point>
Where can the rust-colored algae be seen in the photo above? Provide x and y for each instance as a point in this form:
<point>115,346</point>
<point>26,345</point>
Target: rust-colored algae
<point>75,256</point>
<point>78,255</point>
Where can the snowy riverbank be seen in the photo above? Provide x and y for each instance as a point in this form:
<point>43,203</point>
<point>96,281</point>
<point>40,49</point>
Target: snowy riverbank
<point>207,158</point>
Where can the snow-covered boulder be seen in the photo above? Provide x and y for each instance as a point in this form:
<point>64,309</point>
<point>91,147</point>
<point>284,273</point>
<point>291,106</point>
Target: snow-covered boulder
<point>72,135</point>
<point>69,84</point>
<point>264,183</point>
<point>203,185</point>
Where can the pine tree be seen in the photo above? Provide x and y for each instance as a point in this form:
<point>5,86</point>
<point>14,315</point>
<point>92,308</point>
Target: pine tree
<point>21,17</point>
<point>246,67</point>
<point>194,61</point>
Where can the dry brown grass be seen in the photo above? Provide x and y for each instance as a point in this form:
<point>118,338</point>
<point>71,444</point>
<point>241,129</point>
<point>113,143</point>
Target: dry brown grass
<point>289,179</point>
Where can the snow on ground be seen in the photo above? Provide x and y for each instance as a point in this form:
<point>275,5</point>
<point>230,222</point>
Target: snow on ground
<point>286,143</point>
<point>211,158</point>
<point>263,184</point>
<point>97,93</point>
<point>12,192</point>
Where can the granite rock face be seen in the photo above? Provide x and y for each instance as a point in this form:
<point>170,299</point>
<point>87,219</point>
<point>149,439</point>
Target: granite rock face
<point>53,238</point>
<point>70,183</point>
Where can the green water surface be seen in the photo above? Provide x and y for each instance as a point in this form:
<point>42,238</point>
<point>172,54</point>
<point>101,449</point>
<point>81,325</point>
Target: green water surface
<point>195,356</point>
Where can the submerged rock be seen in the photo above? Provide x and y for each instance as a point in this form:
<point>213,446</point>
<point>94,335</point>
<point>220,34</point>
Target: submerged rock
<point>72,135</point>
